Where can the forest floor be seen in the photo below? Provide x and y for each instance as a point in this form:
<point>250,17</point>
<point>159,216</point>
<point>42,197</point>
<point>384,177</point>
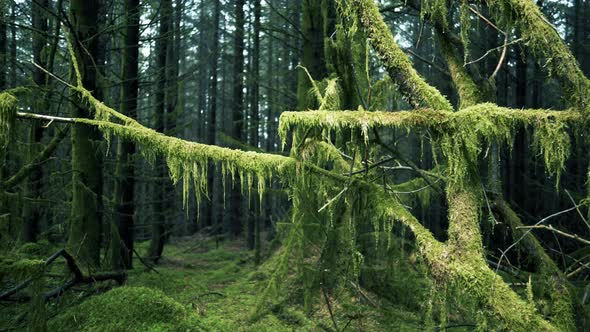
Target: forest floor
<point>202,285</point>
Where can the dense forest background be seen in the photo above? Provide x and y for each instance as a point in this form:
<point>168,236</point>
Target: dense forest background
<point>223,240</point>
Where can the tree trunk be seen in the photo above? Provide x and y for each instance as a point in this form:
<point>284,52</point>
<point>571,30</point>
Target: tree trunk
<point>314,59</point>
<point>122,232</point>
<point>237,130</point>
<point>31,212</point>
<point>159,223</point>
<point>85,219</point>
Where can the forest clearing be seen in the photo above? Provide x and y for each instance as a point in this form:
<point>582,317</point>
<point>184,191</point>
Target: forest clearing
<point>286,165</point>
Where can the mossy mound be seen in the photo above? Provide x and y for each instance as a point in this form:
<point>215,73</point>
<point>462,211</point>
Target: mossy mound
<point>127,309</point>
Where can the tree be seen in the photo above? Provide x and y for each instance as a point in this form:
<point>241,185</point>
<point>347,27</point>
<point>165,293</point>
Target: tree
<point>124,197</point>
<point>85,218</point>
<point>237,125</point>
<point>161,112</point>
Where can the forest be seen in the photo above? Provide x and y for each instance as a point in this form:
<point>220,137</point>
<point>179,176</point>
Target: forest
<point>294,165</point>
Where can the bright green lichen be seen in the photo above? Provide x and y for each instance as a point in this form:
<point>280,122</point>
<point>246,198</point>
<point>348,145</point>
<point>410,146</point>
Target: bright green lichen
<point>413,88</point>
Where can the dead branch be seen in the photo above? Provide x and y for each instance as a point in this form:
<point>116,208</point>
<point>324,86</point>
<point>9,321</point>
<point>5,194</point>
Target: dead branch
<point>79,278</point>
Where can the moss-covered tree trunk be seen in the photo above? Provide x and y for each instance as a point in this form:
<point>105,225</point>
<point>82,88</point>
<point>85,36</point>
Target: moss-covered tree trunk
<point>85,218</point>
<point>124,196</point>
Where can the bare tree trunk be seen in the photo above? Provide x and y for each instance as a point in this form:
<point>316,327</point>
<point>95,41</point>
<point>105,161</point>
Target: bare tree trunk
<point>122,231</point>
<point>159,223</point>
<point>237,131</point>
<point>85,223</point>
<point>31,212</point>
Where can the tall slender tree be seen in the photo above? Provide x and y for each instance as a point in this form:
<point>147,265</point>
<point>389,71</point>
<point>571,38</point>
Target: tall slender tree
<point>237,128</point>
<point>32,213</point>
<point>162,43</point>
<point>85,217</point>
<point>124,196</point>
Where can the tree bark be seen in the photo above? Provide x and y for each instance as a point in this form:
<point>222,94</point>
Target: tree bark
<point>85,219</point>
<point>237,130</point>
<point>124,198</point>
<point>159,225</point>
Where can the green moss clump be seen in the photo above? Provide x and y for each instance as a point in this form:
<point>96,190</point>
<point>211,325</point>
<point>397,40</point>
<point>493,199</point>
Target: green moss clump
<point>127,309</point>
<point>8,104</point>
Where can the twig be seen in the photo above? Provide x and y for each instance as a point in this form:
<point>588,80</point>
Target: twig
<point>577,209</point>
<point>493,50</point>
<point>333,199</point>
<point>330,310</point>
<point>486,20</point>
<point>528,231</point>
<point>502,57</point>
<point>550,228</point>
<point>149,266</point>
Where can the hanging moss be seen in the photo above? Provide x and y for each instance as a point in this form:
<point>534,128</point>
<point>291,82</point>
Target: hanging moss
<point>465,19</point>
<point>413,87</point>
<point>188,161</point>
<point>461,136</point>
<point>8,104</point>
<point>435,9</point>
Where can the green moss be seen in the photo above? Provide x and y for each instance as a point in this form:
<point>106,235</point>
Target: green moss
<point>413,87</point>
<point>188,161</point>
<point>435,9</point>
<point>461,136</point>
<point>546,44</point>
<point>469,93</point>
<point>128,309</point>
<point>8,104</point>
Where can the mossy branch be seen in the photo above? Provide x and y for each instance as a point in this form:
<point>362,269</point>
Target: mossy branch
<point>469,93</point>
<point>413,87</point>
<point>461,136</point>
<point>546,44</point>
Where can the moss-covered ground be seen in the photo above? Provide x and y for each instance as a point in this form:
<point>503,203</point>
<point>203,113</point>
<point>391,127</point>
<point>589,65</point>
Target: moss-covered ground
<point>205,285</point>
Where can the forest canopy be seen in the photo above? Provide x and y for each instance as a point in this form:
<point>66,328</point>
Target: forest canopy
<point>335,165</point>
